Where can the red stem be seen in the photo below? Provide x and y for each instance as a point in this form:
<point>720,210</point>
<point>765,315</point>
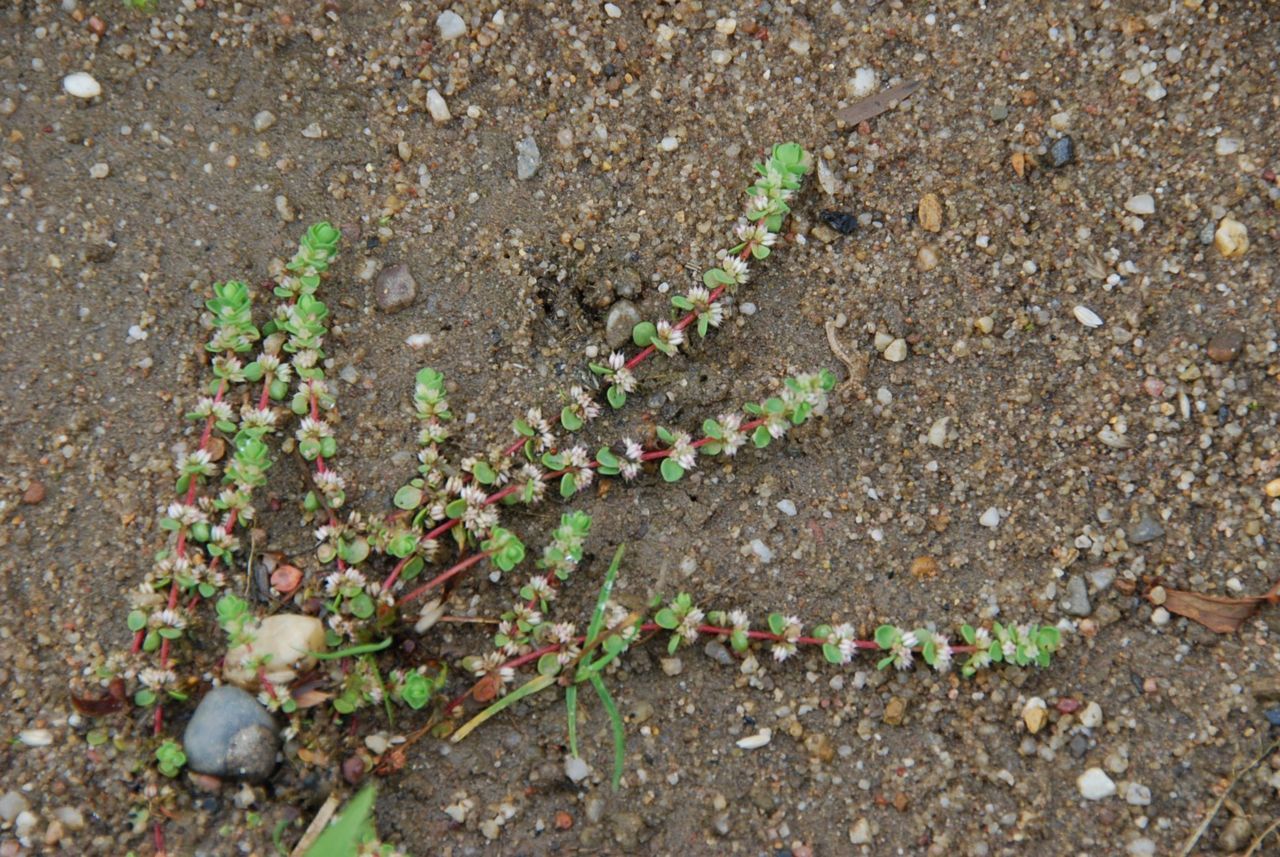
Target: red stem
<point>440,579</point>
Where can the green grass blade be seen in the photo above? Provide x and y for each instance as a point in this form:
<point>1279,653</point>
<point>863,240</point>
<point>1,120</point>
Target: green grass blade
<point>342,838</point>
<point>366,649</point>
<point>528,689</point>
<point>571,702</point>
<point>619,731</point>
<point>597,618</point>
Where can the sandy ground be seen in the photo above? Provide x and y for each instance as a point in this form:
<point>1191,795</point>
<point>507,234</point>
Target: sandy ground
<point>1116,456</point>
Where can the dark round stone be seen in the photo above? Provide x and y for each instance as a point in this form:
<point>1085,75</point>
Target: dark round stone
<point>1062,152</point>
<point>231,735</point>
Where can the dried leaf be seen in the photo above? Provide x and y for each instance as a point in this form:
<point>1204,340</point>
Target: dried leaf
<point>309,697</point>
<point>873,105</point>
<point>313,757</point>
<point>1217,613</point>
<point>103,705</point>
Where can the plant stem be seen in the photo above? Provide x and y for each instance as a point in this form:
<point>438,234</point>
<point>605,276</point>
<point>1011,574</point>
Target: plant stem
<point>446,575</point>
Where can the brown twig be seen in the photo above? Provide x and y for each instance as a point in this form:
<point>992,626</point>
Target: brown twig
<point>1208,819</point>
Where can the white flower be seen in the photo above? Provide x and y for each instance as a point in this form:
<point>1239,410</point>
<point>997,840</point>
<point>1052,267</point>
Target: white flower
<point>619,375</point>
<point>252,417</point>
<point>734,438</point>
<point>542,589</point>
<point>688,627</point>
<point>584,404</point>
<point>562,632</point>
<point>736,268</point>
<point>633,450</point>
<point>942,661</point>
<point>578,462</point>
<point>669,336</point>
<point>683,452</point>
<point>157,679</point>
<point>738,619</point>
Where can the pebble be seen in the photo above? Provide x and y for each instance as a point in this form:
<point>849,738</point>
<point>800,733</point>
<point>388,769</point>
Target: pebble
<point>1076,602</point>
<point>1035,715</point>
<point>1236,835</point>
<point>263,119</point>
<point>576,769</point>
<point>999,111</point>
<point>1102,578</point>
<point>1231,238</point>
<point>672,666</point>
<point>1155,91</point>
<point>36,737</point>
<point>1225,346</point>
<point>1141,847</point>
<point>622,319</point>
<point>929,212</point>
<point>895,711</point>
<point>81,84</point>
<point>716,650</point>
<point>860,832</point>
<point>668,144</point>
<point>927,258</point>
<point>1062,152</point>
<point>863,83</point>
<point>897,351</point>
<point>1094,784</point>
<point>395,288</point>
<point>283,643</point>
<point>11,805</point>
<point>990,518</point>
<point>1148,530</point>
<point>1091,716</point>
<point>313,131</point>
<point>1136,794</point>
<point>437,108</point>
<point>528,158</point>
<point>1160,617</point>
<point>787,508</point>
<point>1086,316</point>
<point>70,817</point>
<point>25,824</point>
<point>612,10</point>
<point>1226,146</point>
<point>841,221</point>
<point>100,170</point>
<point>8,106</point>
<point>34,495</point>
<point>761,550</point>
<point>231,735</point>
<point>450,25</point>
<point>1142,203</point>
<point>1273,488</point>
<point>756,741</point>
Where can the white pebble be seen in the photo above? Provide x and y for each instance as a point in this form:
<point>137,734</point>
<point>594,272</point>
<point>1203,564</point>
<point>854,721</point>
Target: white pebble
<point>1226,146</point>
<point>1086,316</point>
<point>756,741</point>
<point>1155,91</point>
<point>938,432</point>
<point>313,131</point>
<point>437,108</point>
<point>81,84</point>
<point>897,351</point>
<point>263,119</point>
<point>1136,794</point>
<point>726,26</point>
<point>576,769</point>
<point>864,82</point>
<point>720,57</point>
<point>612,11</point>
<point>36,737</point>
<point>668,144</point>
<point>418,340</point>
<point>787,508</point>
<point>990,518</point>
<point>761,550</point>
<point>1091,716</point>
<point>136,333</point>
<point>1094,784</point>
<point>1142,203</point>
<point>747,308</point>
<point>1160,617</point>
<point>99,170</point>
<point>450,25</point>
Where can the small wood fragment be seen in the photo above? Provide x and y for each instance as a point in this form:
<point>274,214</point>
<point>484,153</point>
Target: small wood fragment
<point>873,105</point>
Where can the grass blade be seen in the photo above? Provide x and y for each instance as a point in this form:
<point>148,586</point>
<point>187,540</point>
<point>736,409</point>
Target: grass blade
<point>571,702</point>
<point>619,731</point>
<point>597,618</point>
<point>528,689</point>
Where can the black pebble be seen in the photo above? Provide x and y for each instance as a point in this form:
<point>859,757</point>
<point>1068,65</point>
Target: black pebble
<point>841,221</point>
<point>1062,152</point>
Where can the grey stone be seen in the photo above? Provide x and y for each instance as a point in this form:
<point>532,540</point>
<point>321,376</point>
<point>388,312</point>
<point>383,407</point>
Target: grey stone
<point>1236,835</point>
<point>1102,578</point>
<point>718,653</point>
<point>11,805</point>
<point>1062,152</point>
<point>627,283</point>
<point>623,316</point>
<point>1148,530</point>
<point>395,288</point>
<point>1076,602</point>
<point>528,158</point>
<point>626,829</point>
<point>232,735</point>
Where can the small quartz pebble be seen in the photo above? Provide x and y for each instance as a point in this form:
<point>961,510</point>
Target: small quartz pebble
<point>896,351</point>
<point>756,741</point>
<point>576,769</point>
<point>81,84</point>
<point>36,737</point>
<point>990,518</point>
<point>1231,238</point>
<point>668,144</point>
<point>1091,717</point>
<point>1142,204</point>
<point>1086,316</point>
<point>1226,146</point>
<point>863,83</point>
<point>99,170</point>
<point>528,158</point>
<point>450,25</point>
<point>1094,784</point>
<point>262,120</point>
<point>787,508</point>
<point>437,107</point>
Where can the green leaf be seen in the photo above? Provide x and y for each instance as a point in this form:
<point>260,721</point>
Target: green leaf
<point>886,636</point>
<point>777,623</point>
<point>408,497</point>
<point>361,606</point>
<point>483,473</point>
<point>456,508</point>
<point>761,437</point>
<point>549,664</point>
<point>137,620</point>
<point>571,706</point>
<point>642,334</point>
<point>832,653</point>
<point>570,420</point>
<point>665,435</point>
<point>969,634</point>
<point>760,251</point>
<point>527,689</point>
<point>343,837</point>
<point>602,599</point>
<point>144,697</point>
<point>671,470</point>
<point>739,641</point>
<point>522,428</point>
<point>619,731</point>
<point>568,485</point>
<point>413,569</point>
<point>553,461</point>
<point>884,663</point>
<point>666,618</point>
<point>673,644</point>
<point>616,395</point>
<point>606,457</point>
<point>681,302</point>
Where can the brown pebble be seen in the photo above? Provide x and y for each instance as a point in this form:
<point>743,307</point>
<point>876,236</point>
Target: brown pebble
<point>353,769</point>
<point>1225,346</point>
<point>901,801</point>
<point>564,821</point>
<point>285,578</point>
<point>924,567</point>
<point>206,782</point>
<point>895,711</point>
<point>97,26</point>
<point>217,448</point>
<point>930,212</point>
<point>1067,705</point>
<point>34,493</point>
